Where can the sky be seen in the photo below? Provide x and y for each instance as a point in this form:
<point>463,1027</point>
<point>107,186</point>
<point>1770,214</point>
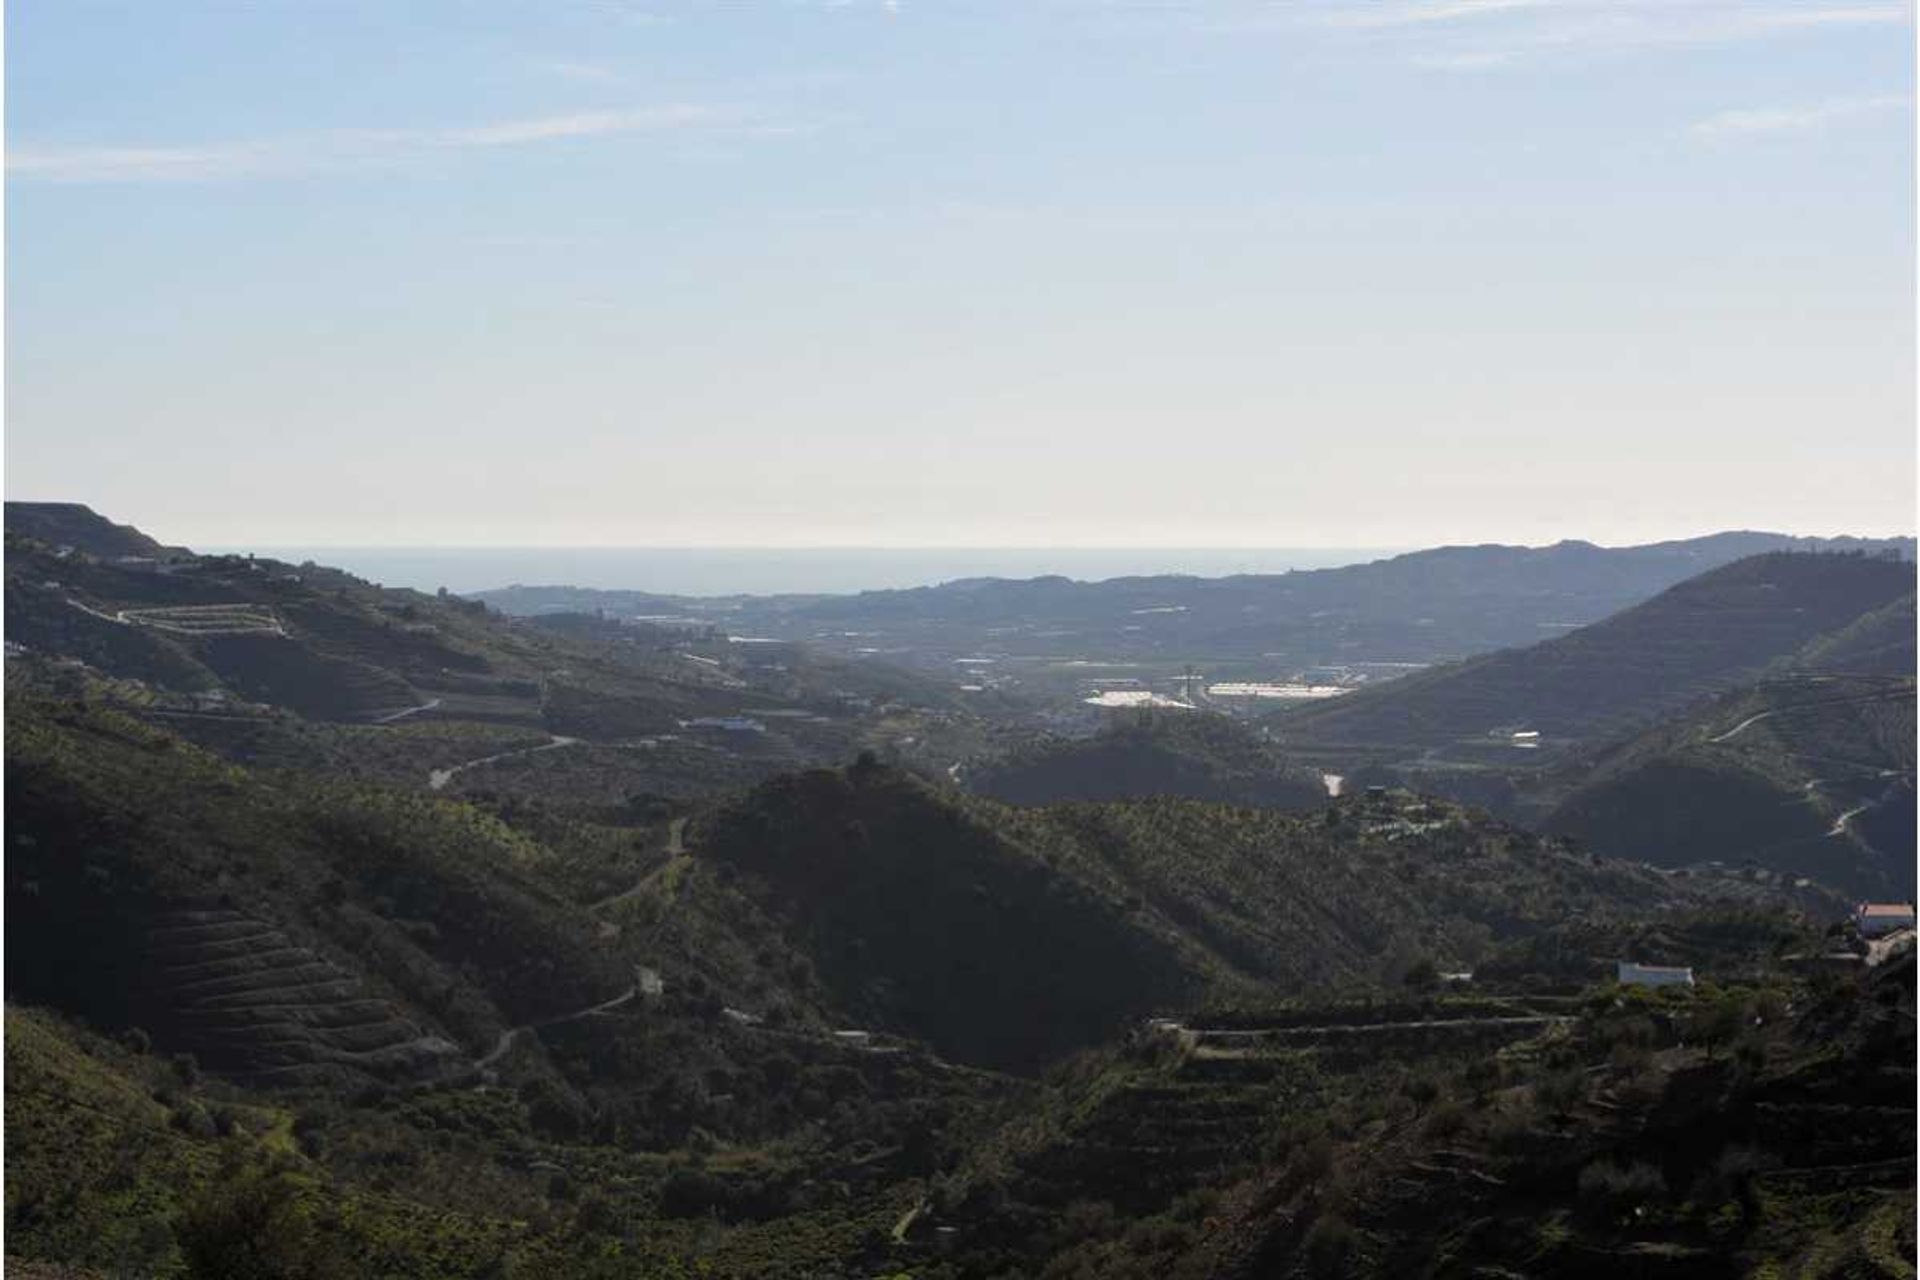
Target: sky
<point>1079,273</point>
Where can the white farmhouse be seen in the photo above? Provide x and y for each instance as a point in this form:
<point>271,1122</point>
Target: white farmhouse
<point>1876,918</point>
<point>1629,974</point>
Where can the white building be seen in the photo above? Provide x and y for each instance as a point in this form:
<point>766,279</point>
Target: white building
<point>1629,974</point>
<point>1876,918</point>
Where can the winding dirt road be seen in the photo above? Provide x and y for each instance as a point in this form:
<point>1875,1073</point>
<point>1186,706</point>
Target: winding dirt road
<point>507,1037</point>
<point>676,845</point>
<point>439,778</point>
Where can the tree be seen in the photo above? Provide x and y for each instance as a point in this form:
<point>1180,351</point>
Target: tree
<point>1422,974</point>
<point>254,1227</point>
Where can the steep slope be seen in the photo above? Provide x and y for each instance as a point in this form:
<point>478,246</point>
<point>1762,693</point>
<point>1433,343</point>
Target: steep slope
<point>1809,775</point>
<point>79,527</point>
<point>1194,756</point>
<point>1625,1149</point>
<point>1758,1124</point>
<point>1877,643</point>
<point>1006,935</point>
<point>1719,629</point>
<point>221,648</point>
<point>306,931</point>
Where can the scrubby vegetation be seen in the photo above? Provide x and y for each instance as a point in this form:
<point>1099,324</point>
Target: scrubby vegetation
<point>1191,755</point>
<point>540,981</point>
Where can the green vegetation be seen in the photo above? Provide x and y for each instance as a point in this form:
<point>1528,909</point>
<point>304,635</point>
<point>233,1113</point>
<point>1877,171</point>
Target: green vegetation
<point>528,978</point>
<point>1703,636</point>
<point>1759,777</point>
<point>1192,755</point>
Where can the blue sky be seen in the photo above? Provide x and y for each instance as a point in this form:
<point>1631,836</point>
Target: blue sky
<point>1063,272</point>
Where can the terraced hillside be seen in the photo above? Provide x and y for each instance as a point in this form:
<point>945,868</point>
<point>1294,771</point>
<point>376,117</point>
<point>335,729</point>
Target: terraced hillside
<point>1004,934</point>
<point>1758,1127</point>
<point>245,999</point>
<point>224,647</point>
<point>1666,1160</point>
<point>1711,633</point>
<point>278,928</point>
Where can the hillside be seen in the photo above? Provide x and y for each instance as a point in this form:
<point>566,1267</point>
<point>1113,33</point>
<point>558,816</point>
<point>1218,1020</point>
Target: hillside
<point>1007,935</point>
<point>1758,1124</point>
<point>1705,635</point>
<point>1809,775</point>
<point>1877,643</point>
<point>224,648</point>
<point>366,932</point>
<point>79,527</point>
<point>313,931</point>
<point>1193,756</point>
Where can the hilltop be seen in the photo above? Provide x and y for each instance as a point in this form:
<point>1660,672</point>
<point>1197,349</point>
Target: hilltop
<point>306,666</point>
<point>78,527</point>
<point>1191,755</point>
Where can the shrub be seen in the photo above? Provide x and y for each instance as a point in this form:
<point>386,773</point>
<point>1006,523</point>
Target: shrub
<point>1420,1089</point>
<point>1558,1092</point>
<point>1611,1191</point>
<point>1444,1121</point>
<point>1422,974</point>
<point>254,1228</point>
<point>1328,1245</point>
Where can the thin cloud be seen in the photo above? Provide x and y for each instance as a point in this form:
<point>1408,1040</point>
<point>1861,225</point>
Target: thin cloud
<point>1799,119</point>
<point>1466,60</point>
<point>1476,35</point>
<point>585,72</point>
<point>1414,15</point>
<point>299,154</point>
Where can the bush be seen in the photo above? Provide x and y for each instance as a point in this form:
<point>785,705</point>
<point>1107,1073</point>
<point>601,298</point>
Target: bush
<point>1509,1132</point>
<point>1329,1244</point>
<point>1611,1191</point>
<point>1559,1092</point>
<point>254,1228</point>
<point>1444,1121</point>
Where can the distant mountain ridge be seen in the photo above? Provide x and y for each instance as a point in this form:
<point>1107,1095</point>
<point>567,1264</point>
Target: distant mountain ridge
<point>1424,606</point>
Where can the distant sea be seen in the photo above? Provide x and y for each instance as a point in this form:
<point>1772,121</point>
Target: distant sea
<point>720,571</point>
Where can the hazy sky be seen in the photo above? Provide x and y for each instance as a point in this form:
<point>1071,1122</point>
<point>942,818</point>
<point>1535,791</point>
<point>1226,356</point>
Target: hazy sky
<point>1054,272</point>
